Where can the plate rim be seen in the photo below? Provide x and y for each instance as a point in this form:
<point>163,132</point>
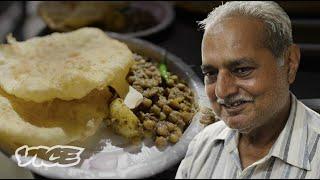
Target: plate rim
<point>201,99</point>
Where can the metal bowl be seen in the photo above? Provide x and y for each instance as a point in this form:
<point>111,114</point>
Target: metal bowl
<point>163,13</point>
<point>107,156</point>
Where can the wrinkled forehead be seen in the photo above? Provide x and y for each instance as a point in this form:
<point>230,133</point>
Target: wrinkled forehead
<point>235,31</point>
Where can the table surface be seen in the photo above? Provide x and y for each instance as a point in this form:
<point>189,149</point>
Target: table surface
<point>183,38</point>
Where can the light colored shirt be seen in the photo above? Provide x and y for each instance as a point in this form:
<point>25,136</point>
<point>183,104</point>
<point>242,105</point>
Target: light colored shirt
<point>213,153</point>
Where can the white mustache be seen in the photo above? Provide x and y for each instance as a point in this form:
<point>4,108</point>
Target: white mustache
<point>233,99</point>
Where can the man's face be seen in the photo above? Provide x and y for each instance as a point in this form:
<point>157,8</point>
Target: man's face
<point>243,81</point>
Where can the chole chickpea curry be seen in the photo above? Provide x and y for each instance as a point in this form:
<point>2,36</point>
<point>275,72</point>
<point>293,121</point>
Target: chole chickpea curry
<point>62,87</point>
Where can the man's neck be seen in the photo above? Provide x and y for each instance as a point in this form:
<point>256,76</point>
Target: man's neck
<point>256,144</point>
<point>269,132</point>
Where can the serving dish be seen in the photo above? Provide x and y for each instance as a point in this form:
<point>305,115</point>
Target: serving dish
<point>135,19</point>
<point>107,155</point>
<point>9,169</point>
<point>163,13</point>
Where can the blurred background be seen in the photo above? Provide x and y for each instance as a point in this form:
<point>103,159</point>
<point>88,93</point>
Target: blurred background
<point>170,25</point>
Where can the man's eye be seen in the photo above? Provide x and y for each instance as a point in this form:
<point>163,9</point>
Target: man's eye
<point>243,71</point>
<point>210,77</point>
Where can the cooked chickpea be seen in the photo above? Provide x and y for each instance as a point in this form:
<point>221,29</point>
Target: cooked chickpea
<point>149,73</point>
<point>174,103</point>
<point>174,117</point>
<point>148,134</point>
<point>146,102</point>
<point>205,110</point>
<point>186,108</point>
<point>181,86</point>
<point>162,129</point>
<point>171,126</point>
<point>155,109</point>
<point>152,68</point>
<point>173,138</point>
<point>182,106</point>
<point>131,79</point>
<point>149,124</point>
<point>166,109</point>
<point>187,117</point>
<point>134,67</point>
<point>170,82</point>
<point>138,88</point>
<point>146,84</point>
<point>146,93</point>
<point>161,142</point>
<point>174,77</point>
<point>178,131</point>
<point>181,124</point>
<point>162,116</point>
<point>161,102</point>
<point>142,61</point>
<point>207,119</point>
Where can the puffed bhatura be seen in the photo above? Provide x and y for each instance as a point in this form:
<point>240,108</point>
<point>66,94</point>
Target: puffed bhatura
<point>56,89</point>
<point>64,65</point>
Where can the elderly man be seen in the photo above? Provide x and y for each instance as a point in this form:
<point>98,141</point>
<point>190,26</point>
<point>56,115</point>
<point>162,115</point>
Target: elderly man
<point>249,61</point>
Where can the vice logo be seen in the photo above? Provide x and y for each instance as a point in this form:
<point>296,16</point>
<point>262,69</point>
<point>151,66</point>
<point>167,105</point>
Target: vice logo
<point>60,156</point>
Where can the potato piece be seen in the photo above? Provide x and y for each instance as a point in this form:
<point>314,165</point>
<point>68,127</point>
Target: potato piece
<point>124,121</point>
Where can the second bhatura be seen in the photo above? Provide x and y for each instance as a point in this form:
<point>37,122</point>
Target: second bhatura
<point>62,87</point>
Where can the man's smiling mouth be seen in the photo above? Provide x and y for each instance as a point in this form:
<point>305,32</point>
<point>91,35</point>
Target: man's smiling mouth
<point>235,104</point>
<point>235,108</point>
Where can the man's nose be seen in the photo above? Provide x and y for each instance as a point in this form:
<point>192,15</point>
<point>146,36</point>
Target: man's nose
<point>225,85</point>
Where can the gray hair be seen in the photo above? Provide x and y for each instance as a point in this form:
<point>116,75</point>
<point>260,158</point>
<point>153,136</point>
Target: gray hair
<point>277,23</point>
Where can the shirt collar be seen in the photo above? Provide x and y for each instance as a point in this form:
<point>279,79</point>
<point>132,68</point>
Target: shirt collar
<point>291,145</point>
<point>229,136</point>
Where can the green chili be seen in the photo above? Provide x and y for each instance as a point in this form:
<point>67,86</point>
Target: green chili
<point>163,67</point>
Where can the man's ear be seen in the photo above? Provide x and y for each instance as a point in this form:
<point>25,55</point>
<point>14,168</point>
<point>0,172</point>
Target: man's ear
<point>293,60</point>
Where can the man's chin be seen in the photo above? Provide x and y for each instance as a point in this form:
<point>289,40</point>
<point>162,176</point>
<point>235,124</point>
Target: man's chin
<point>239,122</point>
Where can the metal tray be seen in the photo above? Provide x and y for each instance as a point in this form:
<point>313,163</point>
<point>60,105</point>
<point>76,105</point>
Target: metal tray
<point>107,155</point>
